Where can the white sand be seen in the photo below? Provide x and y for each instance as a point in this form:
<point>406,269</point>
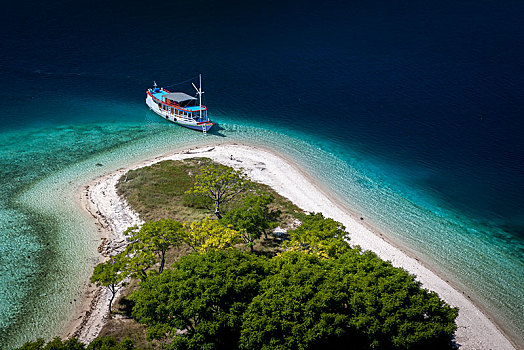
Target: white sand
<point>113,217</point>
<point>475,330</point>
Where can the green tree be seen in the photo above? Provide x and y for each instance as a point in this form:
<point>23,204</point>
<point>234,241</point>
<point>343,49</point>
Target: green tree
<point>204,296</point>
<point>110,274</point>
<point>155,237</point>
<point>101,343</point>
<point>209,234</point>
<point>252,218</point>
<point>159,332</point>
<point>220,183</point>
<point>136,263</point>
<point>356,298</point>
<point>390,308</point>
<point>320,236</point>
<point>55,344</point>
<point>288,313</point>
<point>34,345</point>
<point>109,343</point>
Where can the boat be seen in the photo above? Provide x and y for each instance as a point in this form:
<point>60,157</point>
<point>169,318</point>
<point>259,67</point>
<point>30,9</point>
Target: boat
<point>179,107</point>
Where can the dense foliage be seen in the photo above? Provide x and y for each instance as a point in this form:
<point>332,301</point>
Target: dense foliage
<point>209,234</point>
<point>108,343</point>
<point>252,218</point>
<point>318,235</point>
<point>204,296</point>
<point>313,303</point>
<point>103,343</point>
<point>55,344</point>
<point>228,300</point>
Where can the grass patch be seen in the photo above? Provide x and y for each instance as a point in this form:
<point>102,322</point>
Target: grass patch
<point>120,328</point>
<point>157,192</point>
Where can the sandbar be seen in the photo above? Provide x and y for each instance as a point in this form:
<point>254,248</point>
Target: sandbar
<point>113,216</point>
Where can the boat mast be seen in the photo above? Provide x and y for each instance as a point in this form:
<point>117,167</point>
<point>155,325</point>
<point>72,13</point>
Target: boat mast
<point>200,94</point>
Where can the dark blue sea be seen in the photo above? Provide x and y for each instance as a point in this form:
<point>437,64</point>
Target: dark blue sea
<point>410,112</point>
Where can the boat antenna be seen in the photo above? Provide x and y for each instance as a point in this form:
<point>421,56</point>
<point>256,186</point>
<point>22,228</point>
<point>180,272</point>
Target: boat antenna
<point>154,84</point>
<point>199,93</point>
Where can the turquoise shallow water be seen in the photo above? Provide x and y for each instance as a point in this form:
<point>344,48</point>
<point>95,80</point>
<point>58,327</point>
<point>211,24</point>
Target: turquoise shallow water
<point>50,244</point>
<point>411,112</point>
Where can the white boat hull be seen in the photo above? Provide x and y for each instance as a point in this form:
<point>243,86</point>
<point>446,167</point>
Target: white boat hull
<point>182,121</point>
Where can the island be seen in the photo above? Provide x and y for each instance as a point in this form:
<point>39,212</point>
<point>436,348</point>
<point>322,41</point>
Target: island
<point>459,319</point>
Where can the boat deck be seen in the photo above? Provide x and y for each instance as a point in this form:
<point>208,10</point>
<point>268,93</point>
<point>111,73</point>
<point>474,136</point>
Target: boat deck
<point>158,95</point>
<point>195,108</point>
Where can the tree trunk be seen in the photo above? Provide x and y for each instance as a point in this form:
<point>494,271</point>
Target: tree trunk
<point>217,208</point>
<point>162,262</point>
<point>113,292</point>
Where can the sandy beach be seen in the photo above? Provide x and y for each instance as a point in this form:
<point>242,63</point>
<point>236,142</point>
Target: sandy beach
<point>113,216</point>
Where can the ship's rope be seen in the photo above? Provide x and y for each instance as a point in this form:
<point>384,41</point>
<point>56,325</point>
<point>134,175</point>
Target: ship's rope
<point>182,82</point>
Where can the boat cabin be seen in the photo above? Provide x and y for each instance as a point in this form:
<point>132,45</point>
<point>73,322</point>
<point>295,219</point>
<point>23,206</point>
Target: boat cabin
<point>179,104</point>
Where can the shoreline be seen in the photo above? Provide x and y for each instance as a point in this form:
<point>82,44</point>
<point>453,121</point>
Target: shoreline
<point>475,329</point>
<point>451,281</point>
<point>113,216</point>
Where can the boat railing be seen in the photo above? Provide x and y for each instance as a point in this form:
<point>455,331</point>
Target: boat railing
<point>172,105</point>
<point>177,116</point>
